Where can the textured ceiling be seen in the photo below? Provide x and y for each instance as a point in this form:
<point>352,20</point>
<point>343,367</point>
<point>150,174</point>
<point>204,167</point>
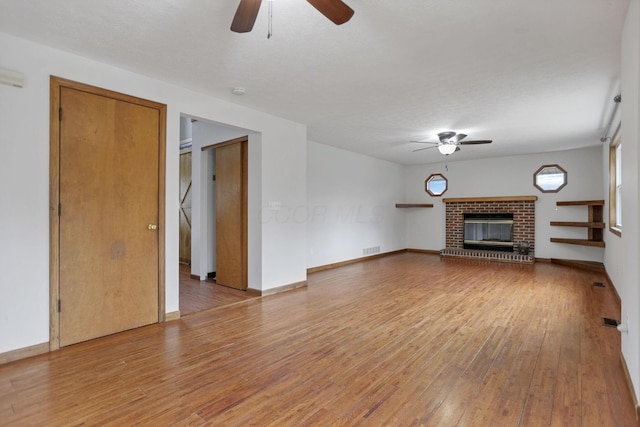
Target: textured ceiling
<point>531,75</point>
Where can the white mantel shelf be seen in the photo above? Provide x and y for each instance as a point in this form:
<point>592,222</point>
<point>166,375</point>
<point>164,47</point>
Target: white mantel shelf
<point>491,199</point>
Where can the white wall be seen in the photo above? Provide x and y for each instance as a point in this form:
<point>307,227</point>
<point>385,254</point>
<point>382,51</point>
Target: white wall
<point>351,205</point>
<point>186,128</point>
<point>509,176</point>
<point>276,250</point>
<point>623,253</point>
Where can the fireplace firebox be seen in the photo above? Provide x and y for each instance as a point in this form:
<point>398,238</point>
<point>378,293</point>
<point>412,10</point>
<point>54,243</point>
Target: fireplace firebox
<point>489,231</point>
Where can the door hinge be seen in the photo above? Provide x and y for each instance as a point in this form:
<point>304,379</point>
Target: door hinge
<point>59,209</point>
<point>59,306</point>
<point>60,113</point>
<point>214,177</point>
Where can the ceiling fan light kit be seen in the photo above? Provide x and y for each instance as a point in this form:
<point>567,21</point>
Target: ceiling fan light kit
<point>447,149</point>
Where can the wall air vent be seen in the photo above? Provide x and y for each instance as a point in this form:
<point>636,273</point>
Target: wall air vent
<point>371,251</point>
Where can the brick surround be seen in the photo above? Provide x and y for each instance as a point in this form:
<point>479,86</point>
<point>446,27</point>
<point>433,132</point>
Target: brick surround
<point>523,218</point>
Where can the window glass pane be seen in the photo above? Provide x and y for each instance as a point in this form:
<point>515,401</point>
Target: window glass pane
<point>619,206</point>
<point>619,185</point>
<point>619,164</point>
<point>550,178</point>
<point>436,184</point>
<point>550,181</point>
<point>615,183</point>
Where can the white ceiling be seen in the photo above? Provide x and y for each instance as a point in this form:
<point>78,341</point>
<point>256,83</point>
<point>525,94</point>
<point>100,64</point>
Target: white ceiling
<point>533,75</point>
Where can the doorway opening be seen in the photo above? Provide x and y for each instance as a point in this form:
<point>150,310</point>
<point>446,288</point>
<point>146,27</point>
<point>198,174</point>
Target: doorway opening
<point>200,257</point>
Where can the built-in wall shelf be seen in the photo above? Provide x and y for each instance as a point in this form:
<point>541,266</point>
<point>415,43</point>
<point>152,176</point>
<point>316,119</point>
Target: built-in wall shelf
<point>414,205</point>
<point>594,224</point>
<point>581,203</point>
<point>583,242</point>
<point>578,224</point>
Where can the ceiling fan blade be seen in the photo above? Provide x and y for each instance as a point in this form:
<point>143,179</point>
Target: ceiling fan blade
<point>245,16</point>
<point>480,141</point>
<point>459,137</point>
<point>445,136</point>
<point>335,10</point>
<point>425,148</point>
<point>425,142</point>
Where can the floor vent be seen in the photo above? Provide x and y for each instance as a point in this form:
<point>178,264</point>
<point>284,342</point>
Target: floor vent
<point>611,323</point>
<point>598,284</point>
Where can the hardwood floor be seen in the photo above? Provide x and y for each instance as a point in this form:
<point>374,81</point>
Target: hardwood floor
<point>405,340</point>
<point>196,295</point>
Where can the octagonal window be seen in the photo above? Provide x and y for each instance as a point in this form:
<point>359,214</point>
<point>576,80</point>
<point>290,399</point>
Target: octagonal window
<point>436,185</point>
<point>550,178</point>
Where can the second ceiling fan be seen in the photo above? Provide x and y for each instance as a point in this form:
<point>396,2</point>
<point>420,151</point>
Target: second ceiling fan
<point>335,10</point>
<point>449,142</point>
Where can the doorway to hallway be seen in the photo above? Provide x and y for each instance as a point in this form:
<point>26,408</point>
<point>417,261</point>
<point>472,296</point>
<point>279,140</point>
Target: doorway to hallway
<point>210,178</point>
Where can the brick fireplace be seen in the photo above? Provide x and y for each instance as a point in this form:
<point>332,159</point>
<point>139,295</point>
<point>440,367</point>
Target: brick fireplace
<point>523,210</point>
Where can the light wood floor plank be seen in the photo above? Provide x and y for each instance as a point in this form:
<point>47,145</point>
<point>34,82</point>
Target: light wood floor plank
<point>406,340</point>
<point>197,295</point>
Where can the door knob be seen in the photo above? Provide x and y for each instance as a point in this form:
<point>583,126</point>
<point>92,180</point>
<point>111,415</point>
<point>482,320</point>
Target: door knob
<point>153,227</point>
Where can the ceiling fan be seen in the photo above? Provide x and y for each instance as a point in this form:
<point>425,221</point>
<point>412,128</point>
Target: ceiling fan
<point>449,142</point>
<point>335,10</point>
